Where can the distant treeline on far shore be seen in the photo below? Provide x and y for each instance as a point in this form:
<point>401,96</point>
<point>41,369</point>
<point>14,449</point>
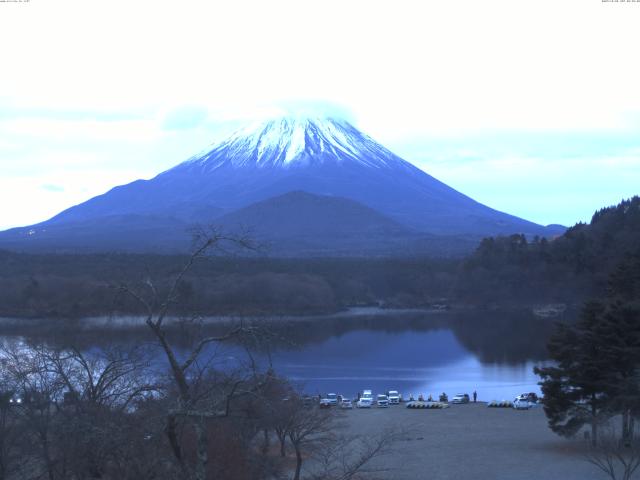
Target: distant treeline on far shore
<point>510,270</point>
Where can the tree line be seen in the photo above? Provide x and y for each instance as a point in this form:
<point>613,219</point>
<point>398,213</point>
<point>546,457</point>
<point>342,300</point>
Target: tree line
<point>510,270</point>
<point>571,268</point>
<point>76,286</point>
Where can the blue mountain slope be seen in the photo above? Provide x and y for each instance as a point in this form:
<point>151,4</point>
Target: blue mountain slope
<point>325,157</point>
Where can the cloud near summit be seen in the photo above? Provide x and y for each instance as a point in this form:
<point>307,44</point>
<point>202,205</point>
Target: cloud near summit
<point>101,100</point>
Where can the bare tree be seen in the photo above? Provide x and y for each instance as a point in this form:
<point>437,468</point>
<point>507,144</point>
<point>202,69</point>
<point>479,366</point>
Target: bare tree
<point>314,433</point>
<point>280,404</point>
<point>39,390</point>
<point>186,372</point>
<point>351,457</point>
<point>11,433</point>
<point>113,377</point>
<point>75,407</point>
<point>100,389</point>
<point>308,428</point>
<point>616,458</point>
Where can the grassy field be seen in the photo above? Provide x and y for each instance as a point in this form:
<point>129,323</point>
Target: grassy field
<point>473,442</point>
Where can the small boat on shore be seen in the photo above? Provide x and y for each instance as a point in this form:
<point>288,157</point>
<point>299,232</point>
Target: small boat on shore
<point>427,405</point>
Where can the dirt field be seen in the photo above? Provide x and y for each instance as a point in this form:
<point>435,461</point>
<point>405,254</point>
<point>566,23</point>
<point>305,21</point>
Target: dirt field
<point>473,442</point>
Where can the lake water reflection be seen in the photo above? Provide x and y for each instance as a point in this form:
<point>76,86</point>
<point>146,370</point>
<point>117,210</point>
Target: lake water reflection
<point>411,362</point>
<point>414,352</point>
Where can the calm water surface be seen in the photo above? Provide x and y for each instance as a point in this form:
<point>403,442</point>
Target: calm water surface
<point>411,362</point>
<point>491,353</point>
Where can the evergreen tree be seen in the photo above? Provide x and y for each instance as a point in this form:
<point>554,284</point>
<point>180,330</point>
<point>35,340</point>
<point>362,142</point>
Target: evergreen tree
<point>619,330</point>
<point>574,388</point>
<point>597,361</point>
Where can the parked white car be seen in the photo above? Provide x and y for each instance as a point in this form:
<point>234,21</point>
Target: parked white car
<point>346,403</point>
<point>521,404</point>
<point>382,401</point>
<point>529,397</point>
<point>332,399</point>
<point>394,397</point>
<point>364,402</point>
<point>460,398</point>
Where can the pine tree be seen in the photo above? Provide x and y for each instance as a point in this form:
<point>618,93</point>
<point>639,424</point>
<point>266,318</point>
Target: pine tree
<point>574,388</point>
<point>619,330</point>
<point>597,361</point>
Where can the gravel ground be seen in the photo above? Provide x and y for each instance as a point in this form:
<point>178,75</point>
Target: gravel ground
<point>473,442</point>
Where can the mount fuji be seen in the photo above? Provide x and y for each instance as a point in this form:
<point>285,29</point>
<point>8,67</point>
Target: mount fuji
<point>310,186</point>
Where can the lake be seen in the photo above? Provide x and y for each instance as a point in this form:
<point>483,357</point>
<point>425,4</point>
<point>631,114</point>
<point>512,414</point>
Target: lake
<point>410,362</point>
<point>413,352</point>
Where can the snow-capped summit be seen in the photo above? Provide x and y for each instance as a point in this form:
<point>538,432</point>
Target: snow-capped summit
<point>293,141</point>
<point>283,177</point>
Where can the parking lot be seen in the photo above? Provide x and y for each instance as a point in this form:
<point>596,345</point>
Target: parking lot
<point>472,441</point>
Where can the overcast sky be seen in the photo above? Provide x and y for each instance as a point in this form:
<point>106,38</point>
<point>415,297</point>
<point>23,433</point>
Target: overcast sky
<point>531,107</point>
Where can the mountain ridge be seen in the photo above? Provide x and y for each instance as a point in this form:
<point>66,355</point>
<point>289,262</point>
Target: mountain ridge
<point>323,157</point>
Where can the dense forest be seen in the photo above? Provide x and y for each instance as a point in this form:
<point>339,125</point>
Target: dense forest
<point>570,268</point>
<point>81,285</point>
<point>502,271</point>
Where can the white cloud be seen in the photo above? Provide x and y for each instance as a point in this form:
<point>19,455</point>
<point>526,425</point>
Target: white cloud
<point>156,80</point>
<point>459,65</point>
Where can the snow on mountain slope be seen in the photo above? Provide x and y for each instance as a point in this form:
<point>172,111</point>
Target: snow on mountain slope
<point>289,141</point>
<point>321,156</point>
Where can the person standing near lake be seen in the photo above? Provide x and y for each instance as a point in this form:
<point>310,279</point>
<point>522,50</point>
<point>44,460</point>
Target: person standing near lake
<point>475,396</point>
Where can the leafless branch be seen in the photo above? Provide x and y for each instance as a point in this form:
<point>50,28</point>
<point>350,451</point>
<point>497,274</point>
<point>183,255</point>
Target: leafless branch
<point>614,458</point>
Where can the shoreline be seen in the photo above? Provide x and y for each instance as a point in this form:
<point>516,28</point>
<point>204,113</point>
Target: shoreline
<point>134,321</point>
<point>125,321</point>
